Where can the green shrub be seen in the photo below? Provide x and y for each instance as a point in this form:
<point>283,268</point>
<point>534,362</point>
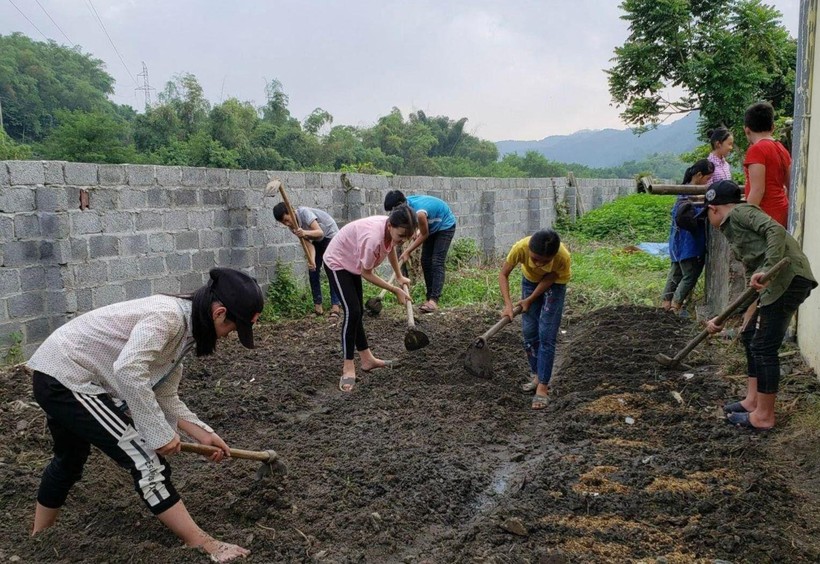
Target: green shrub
<point>14,354</point>
<point>285,299</point>
<point>634,218</point>
<point>463,252</point>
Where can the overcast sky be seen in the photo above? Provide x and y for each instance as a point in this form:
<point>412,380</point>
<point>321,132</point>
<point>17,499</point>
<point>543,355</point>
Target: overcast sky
<point>516,69</point>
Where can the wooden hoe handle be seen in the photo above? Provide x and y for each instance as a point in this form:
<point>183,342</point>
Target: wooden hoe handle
<point>500,325</point>
<point>295,219</point>
<point>207,450</point>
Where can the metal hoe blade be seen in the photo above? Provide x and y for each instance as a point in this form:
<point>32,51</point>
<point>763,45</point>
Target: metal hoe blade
<point>415,340</point>
<point>479,360</point>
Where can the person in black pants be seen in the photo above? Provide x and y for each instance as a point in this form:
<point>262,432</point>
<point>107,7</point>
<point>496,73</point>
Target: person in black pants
<point>110,378</point>
<point>437,227</point>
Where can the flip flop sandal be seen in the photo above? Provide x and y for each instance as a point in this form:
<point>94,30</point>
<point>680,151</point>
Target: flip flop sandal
<point>333,317</point>
<point>540,402</point>
<point>346,383</point>
<point>393,363</point>
<point>529,386</point>
<point>735,407</point>
<point>741,420</point>
<point>424,308</point>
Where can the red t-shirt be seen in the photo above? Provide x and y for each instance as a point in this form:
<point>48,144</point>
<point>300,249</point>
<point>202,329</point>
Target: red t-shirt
<point>776,159</point>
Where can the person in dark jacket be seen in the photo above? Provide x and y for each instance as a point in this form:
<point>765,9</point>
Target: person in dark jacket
<point>687,249</point>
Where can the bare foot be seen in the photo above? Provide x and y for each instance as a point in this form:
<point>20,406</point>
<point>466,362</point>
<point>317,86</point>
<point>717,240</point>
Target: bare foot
<point>318,310</point>
<point>220,551</point>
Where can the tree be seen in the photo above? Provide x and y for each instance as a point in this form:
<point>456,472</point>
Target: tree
<point>37,79</point>
<point>720,55</point>
<point>90,137</point>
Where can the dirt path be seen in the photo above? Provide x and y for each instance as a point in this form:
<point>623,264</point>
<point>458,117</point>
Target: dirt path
<point>426,463</point>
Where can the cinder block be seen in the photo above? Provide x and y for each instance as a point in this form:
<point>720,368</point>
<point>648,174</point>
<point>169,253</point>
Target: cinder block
<point>148,220</point>
<point>158,198</point>
<point>36,330</point>
<point>192,176</point>
<point>123,269</point>
<point>79,250</point>
<point>26,226</point>
<point>32,279</point>
<point>30,304</point>
<point>85,222</point>
<point>133,199</point>
<point>54,172</point>
<point>166,285</point>
<point>101,199</point>
<point>174,220</point>
<point>14,200</point>
<point>6,228</point>
<point>255,199</point>
<point>152,266</point>
<point>26,172</point>
<point>140,175</point>
<point>112,175</point>
<point>216,177</point>
<point>200,219</point>
<point>51,199</point>
<point>190,281</point>
<point>237,199</point>
<point>170,176</point>
<point>259,179</point>
<point>100,246</point>
<point>240,258</point>
<point>223,257</point>
<point>239,238</point>
<point>85,301</point>
<point>56,321</point>
<point>242,218</point>
<point>135,289</point>
<point>211,238</point>
<point>21,253</point>
<point>214,197</point>
<point>64,301</point>
<point>131,245</point>
<point>5,181</point>
<point>81,174</point>
<point>203,261</point>
<point>186,240</point>
<point>9,281</point>
<point>184,197</point>
<point>178,262</point>
<point>161,242</point>
<point>239,179</point>
<point>90,274</point>
<point>107,295</point>
<point>118,222</point>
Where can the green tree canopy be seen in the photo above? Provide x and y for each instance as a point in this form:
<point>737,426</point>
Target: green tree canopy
<point>37,79</point>
<point>719,56</point>
<point>90,137</point>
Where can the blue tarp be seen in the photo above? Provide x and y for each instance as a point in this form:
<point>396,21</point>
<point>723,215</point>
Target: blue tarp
<point>657,249</point>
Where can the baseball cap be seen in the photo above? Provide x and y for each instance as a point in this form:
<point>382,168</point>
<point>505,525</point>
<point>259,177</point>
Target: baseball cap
<point>241,296</point>
<point>722,192</point>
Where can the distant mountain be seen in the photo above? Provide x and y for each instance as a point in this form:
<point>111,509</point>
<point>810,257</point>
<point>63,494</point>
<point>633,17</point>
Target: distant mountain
<point>610,147</point>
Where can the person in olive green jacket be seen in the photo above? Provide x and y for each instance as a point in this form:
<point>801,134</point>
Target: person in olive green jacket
<point>759,242</point>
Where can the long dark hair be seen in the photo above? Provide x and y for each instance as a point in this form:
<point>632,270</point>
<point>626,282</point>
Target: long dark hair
<point>703,166</point>
<point>202,320</point>
<point>403,216</point>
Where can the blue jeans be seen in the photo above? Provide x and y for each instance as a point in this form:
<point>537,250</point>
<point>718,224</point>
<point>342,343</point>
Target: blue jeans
<point>540,325</point>
<point>313,275</point>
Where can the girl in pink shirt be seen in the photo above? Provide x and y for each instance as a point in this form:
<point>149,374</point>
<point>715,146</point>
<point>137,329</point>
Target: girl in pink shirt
<point>354,253</point>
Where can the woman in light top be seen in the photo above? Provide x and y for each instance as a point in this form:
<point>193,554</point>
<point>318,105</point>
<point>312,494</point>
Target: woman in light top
<point>722,142</point>
<point>354,253</point>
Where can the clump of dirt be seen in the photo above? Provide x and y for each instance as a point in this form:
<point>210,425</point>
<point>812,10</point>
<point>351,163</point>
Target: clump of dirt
<point>426,463</point>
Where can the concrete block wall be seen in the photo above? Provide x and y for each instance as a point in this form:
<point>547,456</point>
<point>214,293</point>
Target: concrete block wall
<point>149,229</point>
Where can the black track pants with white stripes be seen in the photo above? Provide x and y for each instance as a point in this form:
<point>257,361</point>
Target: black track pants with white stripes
<point>349,289</point>
<point>76,422</point>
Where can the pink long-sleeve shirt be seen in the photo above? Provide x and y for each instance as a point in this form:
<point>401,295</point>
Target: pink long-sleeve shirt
<point>359,245</point>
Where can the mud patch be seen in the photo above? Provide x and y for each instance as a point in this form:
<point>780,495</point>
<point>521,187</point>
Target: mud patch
<point>427,463</point>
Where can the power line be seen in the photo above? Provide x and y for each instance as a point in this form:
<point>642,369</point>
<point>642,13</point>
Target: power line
<point>29,21</point>
<point>94,13</point>
<point>55,23</point>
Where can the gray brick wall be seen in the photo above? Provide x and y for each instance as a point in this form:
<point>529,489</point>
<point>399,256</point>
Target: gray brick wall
<point>151,229</point>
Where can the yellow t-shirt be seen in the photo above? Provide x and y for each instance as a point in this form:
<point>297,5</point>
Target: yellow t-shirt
<point>560,264</point>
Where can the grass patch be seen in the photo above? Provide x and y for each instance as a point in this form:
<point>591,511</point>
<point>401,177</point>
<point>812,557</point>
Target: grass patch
<point>631,219</point>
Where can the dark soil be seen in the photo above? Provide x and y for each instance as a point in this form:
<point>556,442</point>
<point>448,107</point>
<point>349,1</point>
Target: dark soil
<point>424,463</point>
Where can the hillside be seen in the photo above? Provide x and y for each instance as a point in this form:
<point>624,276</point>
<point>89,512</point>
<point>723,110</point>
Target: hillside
<point>610,147</point>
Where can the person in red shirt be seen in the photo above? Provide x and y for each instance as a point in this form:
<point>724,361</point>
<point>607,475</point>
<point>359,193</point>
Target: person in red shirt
<point>767,164</point>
